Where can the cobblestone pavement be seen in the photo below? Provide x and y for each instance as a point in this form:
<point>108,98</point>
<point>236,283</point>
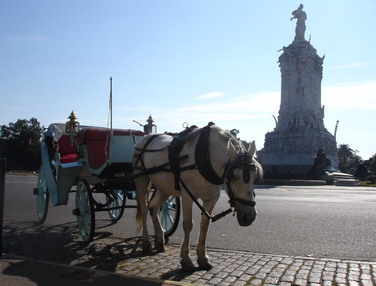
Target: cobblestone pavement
<point>60,244</point>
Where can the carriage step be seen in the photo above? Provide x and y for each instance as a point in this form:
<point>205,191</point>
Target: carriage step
<point>76,212</point>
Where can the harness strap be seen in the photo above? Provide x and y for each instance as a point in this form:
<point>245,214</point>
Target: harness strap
<point>233,199</point>
<point>174,149</point>
<point>204,212</point>
<point>202,157</point>
<point>143,150</point>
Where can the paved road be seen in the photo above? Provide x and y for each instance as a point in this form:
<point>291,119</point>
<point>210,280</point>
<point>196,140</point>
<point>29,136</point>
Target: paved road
<point>66,258</point>
<point>320,221</point>
<point>56,256</point>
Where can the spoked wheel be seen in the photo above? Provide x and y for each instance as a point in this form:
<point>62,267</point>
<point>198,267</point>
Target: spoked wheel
<point>85,211</point>
<point>169,215</point>
<point>42,197</point>
<point>118,201</point>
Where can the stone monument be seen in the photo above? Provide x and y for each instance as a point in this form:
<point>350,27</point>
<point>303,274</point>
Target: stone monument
<point>289,151</point>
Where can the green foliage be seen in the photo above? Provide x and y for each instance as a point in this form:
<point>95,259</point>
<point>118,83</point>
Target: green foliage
<point>371,163</point>
<point>372,179</point>
<point>348,159</point>
<point>20,144</point>
<point>234,132</point>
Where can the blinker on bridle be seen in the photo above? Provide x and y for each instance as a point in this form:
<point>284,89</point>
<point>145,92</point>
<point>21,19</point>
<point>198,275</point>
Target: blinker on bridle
<point>243,161</point>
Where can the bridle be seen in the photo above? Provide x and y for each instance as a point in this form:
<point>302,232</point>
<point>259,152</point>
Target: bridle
<point>242,161</point>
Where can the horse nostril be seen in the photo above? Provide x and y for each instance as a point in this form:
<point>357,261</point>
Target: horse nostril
<point>249,217</point>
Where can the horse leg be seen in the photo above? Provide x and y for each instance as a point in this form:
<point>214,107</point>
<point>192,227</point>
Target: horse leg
<point>154,206</point>
<point>186,262</point>
<point>202,258</point>
<point>142,211</point>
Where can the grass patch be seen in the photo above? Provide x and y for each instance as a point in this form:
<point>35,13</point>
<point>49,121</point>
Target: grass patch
<point>367,184</point>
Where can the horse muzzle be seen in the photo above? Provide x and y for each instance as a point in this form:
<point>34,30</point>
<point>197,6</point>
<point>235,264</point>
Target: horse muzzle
<point>246,216</point>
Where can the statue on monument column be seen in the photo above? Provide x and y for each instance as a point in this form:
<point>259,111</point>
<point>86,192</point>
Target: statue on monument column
<point>300,23</point>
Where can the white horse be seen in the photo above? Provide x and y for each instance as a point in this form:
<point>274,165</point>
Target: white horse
<point>207,158</point>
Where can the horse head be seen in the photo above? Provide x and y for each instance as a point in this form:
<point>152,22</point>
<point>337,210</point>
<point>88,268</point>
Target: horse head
<point>242,172</point>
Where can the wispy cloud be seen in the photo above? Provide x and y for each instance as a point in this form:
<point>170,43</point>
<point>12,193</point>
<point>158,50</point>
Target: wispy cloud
<point>350,96</point>
<point>350,66</point>
<point>210,95</point>
<point>242,111</point>
<point>221,110</point>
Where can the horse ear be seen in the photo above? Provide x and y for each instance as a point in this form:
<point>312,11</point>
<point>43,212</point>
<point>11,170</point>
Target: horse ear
<point>232,153</point>
<point>252,148</point>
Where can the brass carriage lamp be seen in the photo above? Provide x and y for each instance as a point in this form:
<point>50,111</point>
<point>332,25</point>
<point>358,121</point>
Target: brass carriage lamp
<point>150,127</point>
<point>72,126</point>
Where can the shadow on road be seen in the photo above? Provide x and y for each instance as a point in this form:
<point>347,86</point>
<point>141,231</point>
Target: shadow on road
<point>61,244</point>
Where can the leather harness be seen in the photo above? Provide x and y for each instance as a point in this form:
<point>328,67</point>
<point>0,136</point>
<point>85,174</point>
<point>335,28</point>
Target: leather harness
<point>202,164</point>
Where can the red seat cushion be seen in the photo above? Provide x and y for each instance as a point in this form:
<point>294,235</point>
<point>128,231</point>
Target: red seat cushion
<point>68,158</point>
<point>66,146</point>
<point>96,138</point>
<point>67,150</point>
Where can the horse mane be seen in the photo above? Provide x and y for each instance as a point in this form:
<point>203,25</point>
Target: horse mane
<point>239,146</point>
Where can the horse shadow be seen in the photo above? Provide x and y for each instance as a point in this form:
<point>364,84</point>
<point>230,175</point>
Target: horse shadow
<point>16,271</point>
<point>61,244</point>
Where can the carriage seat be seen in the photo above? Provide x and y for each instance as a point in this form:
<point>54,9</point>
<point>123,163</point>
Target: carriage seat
<point>97,141</point>
<point>67,150</point>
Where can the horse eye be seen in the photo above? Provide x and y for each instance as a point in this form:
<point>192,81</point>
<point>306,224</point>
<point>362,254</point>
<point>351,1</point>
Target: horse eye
<point>234,176</point>
<point>246,176</point>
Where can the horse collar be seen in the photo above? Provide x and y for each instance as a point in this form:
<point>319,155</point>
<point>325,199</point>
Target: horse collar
<point>202,157</point>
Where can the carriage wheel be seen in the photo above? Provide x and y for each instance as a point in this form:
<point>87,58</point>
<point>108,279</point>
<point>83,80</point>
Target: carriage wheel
<point>169,215</point>
<point>85,211</point>
<point>42,197</point>
<point>118,201</point>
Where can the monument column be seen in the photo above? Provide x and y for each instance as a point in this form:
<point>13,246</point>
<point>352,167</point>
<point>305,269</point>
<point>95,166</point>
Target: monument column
<point>300,132</point>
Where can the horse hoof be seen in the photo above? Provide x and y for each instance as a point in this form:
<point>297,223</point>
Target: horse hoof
<point>204,265</point>
<point>146,247</point>
<point>160,247</point>
<point>188,266</point>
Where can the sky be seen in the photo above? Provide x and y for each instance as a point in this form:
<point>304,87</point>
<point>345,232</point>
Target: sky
<point>181,61</point>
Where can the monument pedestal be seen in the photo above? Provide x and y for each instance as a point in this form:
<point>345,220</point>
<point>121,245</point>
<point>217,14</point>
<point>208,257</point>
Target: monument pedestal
<point>291,154</point>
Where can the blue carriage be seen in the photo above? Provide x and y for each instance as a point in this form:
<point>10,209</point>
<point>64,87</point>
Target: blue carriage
<point>92,162</point>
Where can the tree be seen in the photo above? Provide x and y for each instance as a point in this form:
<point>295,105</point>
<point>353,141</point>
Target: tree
<point>371,164</point>
<point>20,144</point>
<point>348,159</point>
<point>234,132</point>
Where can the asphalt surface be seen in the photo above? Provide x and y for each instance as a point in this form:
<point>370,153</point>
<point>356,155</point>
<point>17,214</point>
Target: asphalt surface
<point>38,255</point>
<point>55,255</point>
<point>319,221</point>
